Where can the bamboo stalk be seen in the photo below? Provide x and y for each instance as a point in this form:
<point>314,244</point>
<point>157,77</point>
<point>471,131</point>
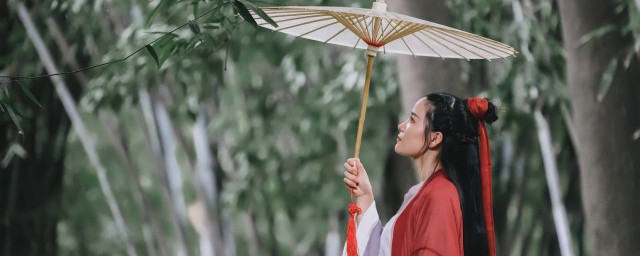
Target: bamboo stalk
<point>156,150</point>
<point>118,141</point>
<point>551,171</point>
<point>78,125</point>
<point>150,217</point>
<point>174,174</point>
<point>205,182</point>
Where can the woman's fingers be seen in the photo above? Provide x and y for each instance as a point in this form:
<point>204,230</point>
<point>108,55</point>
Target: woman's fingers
<point>359,166</point>
<point>349,183</point>
<point>350,168</point>
<point>351,177</point>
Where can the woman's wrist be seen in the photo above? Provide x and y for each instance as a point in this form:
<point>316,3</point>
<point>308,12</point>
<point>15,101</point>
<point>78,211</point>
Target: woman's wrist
<point>363,202</point>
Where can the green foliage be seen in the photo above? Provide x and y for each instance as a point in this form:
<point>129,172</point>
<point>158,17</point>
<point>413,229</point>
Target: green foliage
<point>244,12</point>
<point>153,54</point>
<point>281,118</point>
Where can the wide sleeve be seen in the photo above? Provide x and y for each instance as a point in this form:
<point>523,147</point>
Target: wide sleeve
<point>368,233</point>
<point>439,224</point>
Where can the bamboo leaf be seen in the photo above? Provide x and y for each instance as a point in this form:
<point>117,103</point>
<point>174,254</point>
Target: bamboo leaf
<point>195,8</point>
<point>266,17</point>
<point>607,78</point>
<point>211,25</point>
<point>163,5</point>
<point>28,93</point>
<point>153,54</point>
<point>195,29</point>
<point>596,33</point>
<point>13,116</point>
<point>259,11</point>
<point>244,12</point>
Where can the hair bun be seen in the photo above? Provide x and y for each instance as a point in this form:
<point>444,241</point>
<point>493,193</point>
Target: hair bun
<point>491,115</point>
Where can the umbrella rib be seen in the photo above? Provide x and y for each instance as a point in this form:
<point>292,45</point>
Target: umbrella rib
<point>348,24</point>
<point>384,30</point>
<point>301,24</point>
<point>395,30</point>
<point>403,32</point>
<point>455,36</point>
<point>410,29</point>
<point>296,18</point>
<point>456,44</point>
<point>376,28</point>
<point>288,15</point>
<point>424,31</point>
<point>405,44</point>
<point>362,31</point>
<point>486,43</point>
<point>383,40</point>
<point>492,41</point>
<point>287,10</point>
<point>357,41</point>
<point>366,27</point>
<point>433,50</point>
<point>316,29</point>
<point>496,43</point>
<point>370,40</point>
<point>336,34</point>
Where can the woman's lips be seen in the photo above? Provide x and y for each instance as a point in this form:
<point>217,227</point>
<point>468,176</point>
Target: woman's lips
<point>398,138</point>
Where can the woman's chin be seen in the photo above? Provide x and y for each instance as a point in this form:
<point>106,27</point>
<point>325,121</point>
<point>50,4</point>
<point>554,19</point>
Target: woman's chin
<point>396,148</point>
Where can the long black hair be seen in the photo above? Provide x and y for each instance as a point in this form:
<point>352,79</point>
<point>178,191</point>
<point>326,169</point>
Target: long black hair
<point>459,156</point>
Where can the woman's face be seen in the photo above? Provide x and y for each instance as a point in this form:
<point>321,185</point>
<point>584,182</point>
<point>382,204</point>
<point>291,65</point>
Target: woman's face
<point>410,141</point>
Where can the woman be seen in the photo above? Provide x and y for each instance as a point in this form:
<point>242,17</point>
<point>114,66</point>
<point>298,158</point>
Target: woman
<point>445,213</point>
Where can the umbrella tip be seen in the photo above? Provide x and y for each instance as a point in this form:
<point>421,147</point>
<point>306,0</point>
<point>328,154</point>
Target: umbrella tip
<point>379,5</point>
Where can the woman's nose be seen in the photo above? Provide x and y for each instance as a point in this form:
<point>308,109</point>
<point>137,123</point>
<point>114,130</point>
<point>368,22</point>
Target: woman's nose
<point>401,126</point>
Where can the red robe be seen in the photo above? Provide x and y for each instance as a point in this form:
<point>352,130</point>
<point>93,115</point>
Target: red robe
<point>431,224</point>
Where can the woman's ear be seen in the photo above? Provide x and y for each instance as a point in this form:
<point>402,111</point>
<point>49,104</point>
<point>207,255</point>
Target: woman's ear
<point>435,139</point>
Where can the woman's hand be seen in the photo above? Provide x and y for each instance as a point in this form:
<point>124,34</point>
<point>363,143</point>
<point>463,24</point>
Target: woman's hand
<point>357,180</point>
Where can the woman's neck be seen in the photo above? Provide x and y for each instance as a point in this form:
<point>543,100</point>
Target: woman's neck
<point>427,164</point>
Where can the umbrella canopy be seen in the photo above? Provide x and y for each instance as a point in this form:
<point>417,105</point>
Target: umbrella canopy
<point>392,32</point>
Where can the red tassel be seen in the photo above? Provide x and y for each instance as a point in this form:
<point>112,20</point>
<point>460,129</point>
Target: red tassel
<point>352,243</point>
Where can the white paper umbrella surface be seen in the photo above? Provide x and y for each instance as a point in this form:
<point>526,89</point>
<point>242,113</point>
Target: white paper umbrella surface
<point>391,32</point>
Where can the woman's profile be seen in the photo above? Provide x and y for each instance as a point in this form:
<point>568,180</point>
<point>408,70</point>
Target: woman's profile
<point>449,211</point>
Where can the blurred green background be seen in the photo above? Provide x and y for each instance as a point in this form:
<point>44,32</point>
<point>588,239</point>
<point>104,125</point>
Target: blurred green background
<point>231,141</point>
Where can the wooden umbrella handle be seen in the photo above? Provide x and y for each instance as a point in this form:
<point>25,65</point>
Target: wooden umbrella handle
<point>363,108</point>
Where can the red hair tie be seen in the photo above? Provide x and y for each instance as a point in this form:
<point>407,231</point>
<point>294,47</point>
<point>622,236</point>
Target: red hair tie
<point>478,108</point>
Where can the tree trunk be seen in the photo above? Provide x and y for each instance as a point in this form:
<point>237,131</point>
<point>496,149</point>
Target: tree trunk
<point>607,150</point>
<point>418,76</point>
<point>30,185</point>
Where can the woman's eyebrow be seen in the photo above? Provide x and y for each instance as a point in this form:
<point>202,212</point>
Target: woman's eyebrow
<point>414,114</point>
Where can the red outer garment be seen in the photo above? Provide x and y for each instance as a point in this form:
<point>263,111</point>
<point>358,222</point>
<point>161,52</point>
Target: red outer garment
<point>431,224</point>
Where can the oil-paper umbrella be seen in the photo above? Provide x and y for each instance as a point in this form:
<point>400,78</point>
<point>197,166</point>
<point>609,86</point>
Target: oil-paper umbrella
<point>377,29</point>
